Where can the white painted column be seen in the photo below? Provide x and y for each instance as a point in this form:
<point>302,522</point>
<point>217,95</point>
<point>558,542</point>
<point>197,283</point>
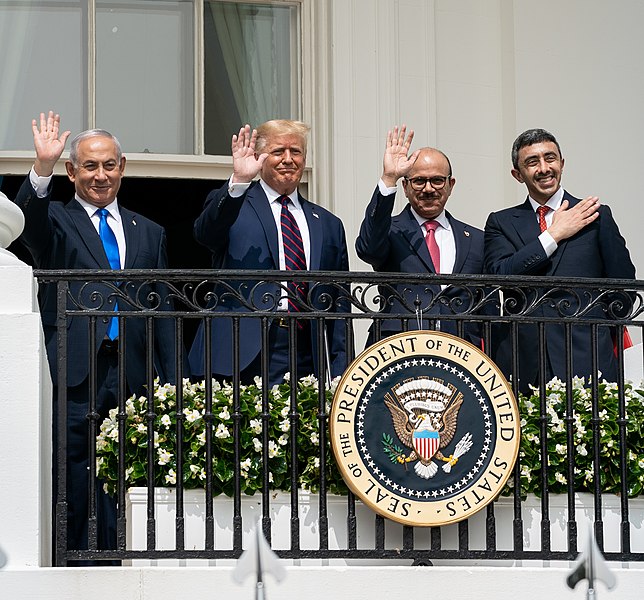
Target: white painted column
<point>25,421</point>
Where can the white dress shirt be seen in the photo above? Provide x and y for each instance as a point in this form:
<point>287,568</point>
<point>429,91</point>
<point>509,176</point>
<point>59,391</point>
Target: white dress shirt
<point>554,202</point>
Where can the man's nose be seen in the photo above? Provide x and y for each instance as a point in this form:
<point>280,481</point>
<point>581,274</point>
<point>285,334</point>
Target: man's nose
<point>543,165</point>
<point>100,173</point>
<point>286,157</point>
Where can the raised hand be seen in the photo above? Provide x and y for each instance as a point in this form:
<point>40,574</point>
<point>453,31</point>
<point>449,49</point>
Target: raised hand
<point>48,142</point>
<point>246,165</point>
<point>396,163</point>
<point>566,222</point>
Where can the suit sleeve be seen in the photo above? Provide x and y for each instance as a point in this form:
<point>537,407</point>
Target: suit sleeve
<point>337,334</point>
<point>38,231</point>
<point>212,227</point>
<point>164,341</point>
<point>505,253</point>
<point>372,244</point>
<point>615,254</point>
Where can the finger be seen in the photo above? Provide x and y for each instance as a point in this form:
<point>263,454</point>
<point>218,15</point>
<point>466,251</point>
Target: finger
<point>50,120</point>
<point>43,122</point>
<point>401,136</point>
<point>388,142</point>
<point>409,139</point>
<point>414,156</point>
<point>64,136</point>
<point>261,158</point>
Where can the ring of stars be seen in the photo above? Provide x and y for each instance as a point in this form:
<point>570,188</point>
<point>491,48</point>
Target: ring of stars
<point>485,409</point>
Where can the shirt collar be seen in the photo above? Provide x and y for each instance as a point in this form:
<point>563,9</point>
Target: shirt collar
<point>272,195</point>
<point>553,203</point>
<point>112,207</point>
<point>441,219</point>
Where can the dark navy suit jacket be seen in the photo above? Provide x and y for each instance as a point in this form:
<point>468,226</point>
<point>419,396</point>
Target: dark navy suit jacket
<point>598,250</point>
<point>62,236</point>
<point>397,245</point>
<point>241,234</point>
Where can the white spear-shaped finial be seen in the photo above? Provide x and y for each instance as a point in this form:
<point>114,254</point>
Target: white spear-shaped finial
<point>591,565</point>
<point>258,558</point>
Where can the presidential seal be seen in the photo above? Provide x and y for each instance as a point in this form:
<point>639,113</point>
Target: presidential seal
<point>425,428</point>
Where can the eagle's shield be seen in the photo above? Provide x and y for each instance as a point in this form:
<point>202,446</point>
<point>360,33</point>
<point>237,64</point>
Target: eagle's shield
<point>426,443</point>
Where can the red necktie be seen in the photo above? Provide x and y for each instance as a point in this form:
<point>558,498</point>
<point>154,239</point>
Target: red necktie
<point>542,211</point>
<point>432,246</point>
<point>294,257</point>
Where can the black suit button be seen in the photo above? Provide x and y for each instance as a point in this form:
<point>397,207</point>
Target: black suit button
<point>106,320</point>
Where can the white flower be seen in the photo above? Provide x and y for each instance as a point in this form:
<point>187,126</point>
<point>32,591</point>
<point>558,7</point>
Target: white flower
<point>256,426</point>
<point>165,421</point>
<point>287,376</point>
<point>201,438</point>
<point>257,445</point>
<point>224,415</point>
<point>258,381</point>
<point>164,456</point>
<point>282,440</point>
<point>141,428</point>
<point>222,431</point>
<point>275,392</point>
<point>316,462</point>
<point>171,478</point>
<point>284,411</point>
<point>285,425</point>
<point>560,448</point>
<point>309,381</point>
<point>582,450</point>
<point>273,449</point>
<point>560,478</point>
<point>244,465</point>
<point>191,415</point>
<point>334,384</point>
<point>315,440</point>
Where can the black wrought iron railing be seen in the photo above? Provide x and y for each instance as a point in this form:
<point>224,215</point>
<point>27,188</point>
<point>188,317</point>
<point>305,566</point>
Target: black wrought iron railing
<point>577,435</point>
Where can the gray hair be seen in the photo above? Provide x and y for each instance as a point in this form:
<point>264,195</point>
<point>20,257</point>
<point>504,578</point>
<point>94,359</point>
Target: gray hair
<point>83,135</point>
<point>529,138</point>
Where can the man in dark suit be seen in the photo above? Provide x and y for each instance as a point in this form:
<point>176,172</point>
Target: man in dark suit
<point>268,225</point>
<point>555,234</point>
<point>70,236</point>
<point>418,238</point>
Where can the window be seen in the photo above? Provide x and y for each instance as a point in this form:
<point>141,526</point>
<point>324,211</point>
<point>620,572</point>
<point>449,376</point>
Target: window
<point>165,76</point>
<point>252,67</point>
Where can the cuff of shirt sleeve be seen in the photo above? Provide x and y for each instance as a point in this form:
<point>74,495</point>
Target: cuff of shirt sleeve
<point>384,190</point>
<point>548,243</point>
<point>40,184</point>
<point>235,190</point>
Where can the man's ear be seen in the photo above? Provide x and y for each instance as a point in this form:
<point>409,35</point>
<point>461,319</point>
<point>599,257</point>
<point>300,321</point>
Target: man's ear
<point>69,167</point>
<point>517,175</point>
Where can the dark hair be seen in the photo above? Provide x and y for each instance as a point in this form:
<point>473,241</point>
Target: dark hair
<point>530,137</point>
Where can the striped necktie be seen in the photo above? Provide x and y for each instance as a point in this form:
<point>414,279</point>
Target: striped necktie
<point>294,257</point>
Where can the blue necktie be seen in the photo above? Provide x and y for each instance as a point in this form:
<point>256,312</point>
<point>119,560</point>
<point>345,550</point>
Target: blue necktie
<point>112,251</point>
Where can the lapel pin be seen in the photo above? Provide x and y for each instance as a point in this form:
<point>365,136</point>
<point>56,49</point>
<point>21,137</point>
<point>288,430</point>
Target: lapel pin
<point>316,215</point>
<point>467,233</point>
<point>134,222</point>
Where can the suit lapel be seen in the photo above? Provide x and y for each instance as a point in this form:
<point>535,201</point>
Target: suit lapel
<point>88,233</point>
<point>315,233</point>
<point>259,203</point>
<point>525,223</point>
<point>561,247</point>
<point>132,236</point>
<point>462,240</point>
<point>410,228</point>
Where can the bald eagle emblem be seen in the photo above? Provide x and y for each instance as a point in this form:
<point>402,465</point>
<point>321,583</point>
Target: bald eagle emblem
<point>424,412</point>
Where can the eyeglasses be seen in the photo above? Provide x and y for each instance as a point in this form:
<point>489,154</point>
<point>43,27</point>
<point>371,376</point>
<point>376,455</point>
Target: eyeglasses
<point>419,183</point>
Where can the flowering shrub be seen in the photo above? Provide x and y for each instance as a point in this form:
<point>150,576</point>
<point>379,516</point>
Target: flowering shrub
<point>223,444</point>
<point>308,449</point>
<point>582,430</point>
